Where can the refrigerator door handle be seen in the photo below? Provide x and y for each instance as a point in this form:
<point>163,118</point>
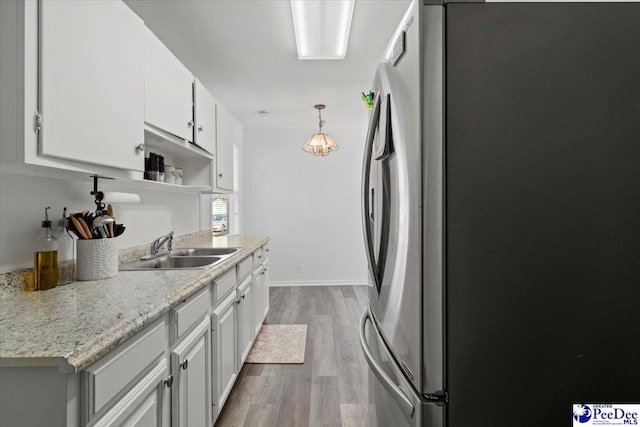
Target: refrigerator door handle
<point>372,216</point>
<point>367,214</point>
<point>395,391</point>
<point>385,216</point>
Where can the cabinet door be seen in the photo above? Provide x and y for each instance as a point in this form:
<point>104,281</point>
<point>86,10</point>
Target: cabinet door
<point>205,117</point>
<point>258,285</point>
<point>225,352</point>
<point>245,319</point>
<point>168,96</point>
<point>190,366</point>
<point>260,295</point>
<point>265,289</point>
<point>92,82</point>
<point>224,149</point>
<point>146,405</point>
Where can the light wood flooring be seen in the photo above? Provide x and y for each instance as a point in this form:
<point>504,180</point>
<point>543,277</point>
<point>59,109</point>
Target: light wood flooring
<point>330,388</point>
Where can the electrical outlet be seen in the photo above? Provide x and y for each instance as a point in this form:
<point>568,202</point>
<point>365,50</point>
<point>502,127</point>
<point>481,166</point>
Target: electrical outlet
<point>299,268</point>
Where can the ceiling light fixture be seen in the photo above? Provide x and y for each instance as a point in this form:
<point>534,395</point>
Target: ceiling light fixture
<point>322,27</point>
<point>320,144</point>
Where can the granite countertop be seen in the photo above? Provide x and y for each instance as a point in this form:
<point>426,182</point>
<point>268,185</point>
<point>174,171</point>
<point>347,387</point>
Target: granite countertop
<point>72,326</point>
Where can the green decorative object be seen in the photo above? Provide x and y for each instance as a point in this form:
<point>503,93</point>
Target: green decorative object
<point>367,98</point>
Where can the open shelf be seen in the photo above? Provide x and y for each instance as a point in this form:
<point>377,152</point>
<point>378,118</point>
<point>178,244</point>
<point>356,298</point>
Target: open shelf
<point>168,144</point>
<point>196,163</point>
<point>162,186</point>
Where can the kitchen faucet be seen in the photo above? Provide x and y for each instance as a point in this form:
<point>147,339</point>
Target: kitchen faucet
<point>156,244</point>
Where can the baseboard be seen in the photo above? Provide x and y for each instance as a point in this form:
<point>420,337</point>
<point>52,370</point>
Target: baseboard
<point>320,283</point>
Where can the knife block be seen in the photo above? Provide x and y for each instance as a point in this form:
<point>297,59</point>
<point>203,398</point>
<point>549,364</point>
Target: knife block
<point>97,259</point>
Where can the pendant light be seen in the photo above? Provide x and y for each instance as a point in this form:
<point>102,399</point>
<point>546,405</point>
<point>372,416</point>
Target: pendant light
<point>320,144</point>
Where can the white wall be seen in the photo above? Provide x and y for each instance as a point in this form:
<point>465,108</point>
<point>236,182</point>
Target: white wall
<point>23,199</point>
<point>309,206</point>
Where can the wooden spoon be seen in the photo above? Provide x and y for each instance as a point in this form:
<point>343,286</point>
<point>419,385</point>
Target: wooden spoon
<point>110,213</point>
<point>85,227</point>
<point>79,227</point>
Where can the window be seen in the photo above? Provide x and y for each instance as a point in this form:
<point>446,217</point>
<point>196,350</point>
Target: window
<point>220,216</point>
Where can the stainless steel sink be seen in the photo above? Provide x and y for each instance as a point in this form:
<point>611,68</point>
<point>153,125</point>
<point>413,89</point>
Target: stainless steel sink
<point>191,252</point>
<point>182,259</point>
<point>171,263</point>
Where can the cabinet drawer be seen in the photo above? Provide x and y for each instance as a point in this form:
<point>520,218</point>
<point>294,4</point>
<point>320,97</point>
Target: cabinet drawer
<point>244,267</point>
<point>257,257</point>
<point>224,284</point>
<point>188,313</point>
<point>265,251</point>
<point>111,374</point>
<point>143,403</point>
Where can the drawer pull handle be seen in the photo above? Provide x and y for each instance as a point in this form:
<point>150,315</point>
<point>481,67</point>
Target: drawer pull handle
<point>169,381</point>
<point>185,364</point>
<point>140,147</point>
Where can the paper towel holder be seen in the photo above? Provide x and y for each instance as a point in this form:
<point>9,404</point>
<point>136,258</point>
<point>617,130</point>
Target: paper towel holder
<point>99,195</point>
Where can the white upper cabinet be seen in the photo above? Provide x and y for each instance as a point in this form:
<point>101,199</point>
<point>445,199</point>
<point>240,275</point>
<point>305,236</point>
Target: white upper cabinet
<point>92,82</point>
<point>205,117</point>
<point>223,179</point>
<point>168,90</point>
<point>87,87</point>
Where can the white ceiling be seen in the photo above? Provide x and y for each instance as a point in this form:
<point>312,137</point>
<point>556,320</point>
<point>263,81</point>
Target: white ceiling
<point>244,52</point>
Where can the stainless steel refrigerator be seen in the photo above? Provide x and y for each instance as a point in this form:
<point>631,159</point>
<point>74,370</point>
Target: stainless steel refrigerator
<point>501,210</point>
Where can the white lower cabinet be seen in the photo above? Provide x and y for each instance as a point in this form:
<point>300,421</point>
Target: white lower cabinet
<point>264,291</point>
<point>105,381</point>
<point>146,405</point>
<point>225,348</point>
<point>246,302</point>
<point>261,298</point>
<point>190,367</point>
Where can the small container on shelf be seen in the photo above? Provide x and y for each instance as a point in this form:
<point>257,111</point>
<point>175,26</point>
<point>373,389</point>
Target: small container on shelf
<point>153,168</point>
<point>169,174</point>
<point>178,176</point>
<point>160,168</point>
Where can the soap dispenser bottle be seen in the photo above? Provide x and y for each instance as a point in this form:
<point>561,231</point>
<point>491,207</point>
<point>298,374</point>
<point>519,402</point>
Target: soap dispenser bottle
<point>66,252</point>
<point>45,257</point>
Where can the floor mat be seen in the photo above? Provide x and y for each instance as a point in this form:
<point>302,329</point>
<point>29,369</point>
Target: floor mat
<point>279,344</point>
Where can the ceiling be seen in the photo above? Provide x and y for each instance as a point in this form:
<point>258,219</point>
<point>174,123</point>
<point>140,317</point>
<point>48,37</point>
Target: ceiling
<point>244,52</point>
